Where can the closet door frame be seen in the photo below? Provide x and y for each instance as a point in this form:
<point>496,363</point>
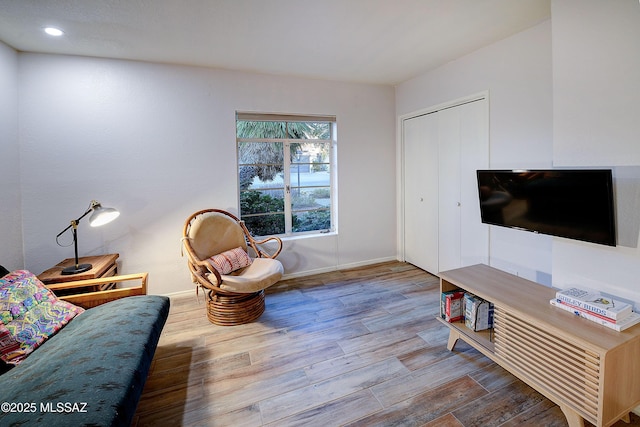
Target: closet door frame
<point>400,159</point>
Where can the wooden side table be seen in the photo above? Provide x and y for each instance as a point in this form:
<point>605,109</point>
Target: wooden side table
<point>102,266</point>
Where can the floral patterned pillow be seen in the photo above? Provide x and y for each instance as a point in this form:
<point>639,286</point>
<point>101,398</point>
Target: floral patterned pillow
<point>230,260</point>
<point>29,314</point>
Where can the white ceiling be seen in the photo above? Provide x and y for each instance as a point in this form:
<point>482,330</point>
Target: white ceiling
<point>369,41</point>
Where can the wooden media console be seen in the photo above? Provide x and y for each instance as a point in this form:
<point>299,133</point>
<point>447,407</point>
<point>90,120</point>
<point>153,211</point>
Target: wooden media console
<point>590,371</point>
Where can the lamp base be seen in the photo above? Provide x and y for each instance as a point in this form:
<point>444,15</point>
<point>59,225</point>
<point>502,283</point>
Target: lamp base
<point>76,268</point>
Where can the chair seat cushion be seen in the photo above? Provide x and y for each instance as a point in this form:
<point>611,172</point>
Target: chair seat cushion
<point>262,273</point>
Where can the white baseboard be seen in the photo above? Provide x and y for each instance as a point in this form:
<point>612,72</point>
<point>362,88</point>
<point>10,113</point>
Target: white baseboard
<point>180,293</point>
<point>337,267</point>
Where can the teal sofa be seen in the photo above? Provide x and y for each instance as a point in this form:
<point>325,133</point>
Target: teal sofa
<point>91,372</point>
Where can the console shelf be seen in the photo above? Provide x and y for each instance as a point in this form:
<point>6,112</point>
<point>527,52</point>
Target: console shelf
<point>590,371</point>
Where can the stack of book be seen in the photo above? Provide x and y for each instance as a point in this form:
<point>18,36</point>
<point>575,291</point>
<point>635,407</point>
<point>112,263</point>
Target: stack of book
<point>478,313</point>
<point>458,305</point>
<point>606,311</point>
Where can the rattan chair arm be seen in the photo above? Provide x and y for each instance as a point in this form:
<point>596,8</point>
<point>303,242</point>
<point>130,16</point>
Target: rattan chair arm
<point>264,254</point>
<point>205,266</point>
<point>205,283</point>
<point>198,272</point>
<point>253,243</point>
<point>195,261</point>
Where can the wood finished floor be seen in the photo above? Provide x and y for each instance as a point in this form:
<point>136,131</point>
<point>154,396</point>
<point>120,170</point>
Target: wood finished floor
<point>357,347</point>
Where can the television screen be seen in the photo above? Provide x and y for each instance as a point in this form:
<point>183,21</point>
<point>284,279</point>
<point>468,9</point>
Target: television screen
<point>576,204</point>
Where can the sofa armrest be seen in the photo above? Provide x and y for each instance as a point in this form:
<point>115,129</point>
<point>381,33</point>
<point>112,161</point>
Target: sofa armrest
<point>92,299</point>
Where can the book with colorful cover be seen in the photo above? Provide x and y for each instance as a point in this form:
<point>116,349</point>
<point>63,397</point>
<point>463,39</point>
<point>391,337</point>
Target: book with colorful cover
<point>595,303</point>
<point>451,306</point>
<point>620,325</point>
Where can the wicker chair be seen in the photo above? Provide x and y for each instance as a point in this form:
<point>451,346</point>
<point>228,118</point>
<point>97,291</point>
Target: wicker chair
<point>237,297</point>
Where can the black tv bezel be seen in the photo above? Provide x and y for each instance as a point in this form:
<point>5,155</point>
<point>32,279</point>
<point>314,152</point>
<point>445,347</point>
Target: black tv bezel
<point>608,176</point>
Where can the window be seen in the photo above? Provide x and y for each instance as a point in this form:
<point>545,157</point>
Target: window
<point>286,167</point>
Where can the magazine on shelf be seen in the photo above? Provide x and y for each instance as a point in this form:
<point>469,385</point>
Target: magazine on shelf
<point>620,325</point>
<point>595,303</point>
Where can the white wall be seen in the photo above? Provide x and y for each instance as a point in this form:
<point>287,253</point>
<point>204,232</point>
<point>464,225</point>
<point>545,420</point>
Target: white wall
<point>11,250</point>
<point>517,73</point>
<point>158,143</point>
<point>596,69</point>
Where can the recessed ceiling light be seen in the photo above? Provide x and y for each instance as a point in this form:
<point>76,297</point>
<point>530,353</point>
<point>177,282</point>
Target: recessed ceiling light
<point>52,31</point>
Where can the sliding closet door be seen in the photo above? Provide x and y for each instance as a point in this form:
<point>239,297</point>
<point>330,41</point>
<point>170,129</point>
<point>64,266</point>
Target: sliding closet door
<point>464,148</point>
<point>420,135</point>
<point>449,202</point>
<point>442,151</point>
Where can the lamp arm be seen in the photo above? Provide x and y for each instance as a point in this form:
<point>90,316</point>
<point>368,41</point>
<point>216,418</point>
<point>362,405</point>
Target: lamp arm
<point>74,223</point>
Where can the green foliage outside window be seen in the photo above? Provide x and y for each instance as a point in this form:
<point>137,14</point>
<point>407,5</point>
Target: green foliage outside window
<point>254,202</point>
<point>311,221</point>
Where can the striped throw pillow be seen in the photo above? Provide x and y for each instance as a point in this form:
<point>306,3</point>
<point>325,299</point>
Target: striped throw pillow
<point>230,261</point>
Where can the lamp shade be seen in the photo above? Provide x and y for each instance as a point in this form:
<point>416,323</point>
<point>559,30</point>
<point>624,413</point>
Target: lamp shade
<point>102,216</point>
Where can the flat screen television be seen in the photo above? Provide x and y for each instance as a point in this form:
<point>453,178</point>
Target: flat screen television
<point>575,204</point>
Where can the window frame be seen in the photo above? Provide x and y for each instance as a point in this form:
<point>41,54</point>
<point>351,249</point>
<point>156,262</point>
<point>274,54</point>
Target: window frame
<point>331,141</point>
